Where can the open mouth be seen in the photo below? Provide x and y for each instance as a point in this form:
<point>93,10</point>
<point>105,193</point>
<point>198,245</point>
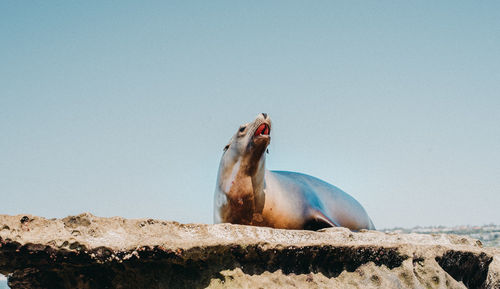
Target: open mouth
<point>263,129</point>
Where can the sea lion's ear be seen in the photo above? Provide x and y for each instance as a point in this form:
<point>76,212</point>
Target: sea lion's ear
<point>226,147</point>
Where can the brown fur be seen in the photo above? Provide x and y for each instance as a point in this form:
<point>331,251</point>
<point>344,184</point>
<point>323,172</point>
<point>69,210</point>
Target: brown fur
<point>243,207</point>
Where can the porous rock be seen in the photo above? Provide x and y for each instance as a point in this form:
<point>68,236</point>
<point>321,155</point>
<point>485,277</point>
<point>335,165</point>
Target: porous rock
<point>86,251</point>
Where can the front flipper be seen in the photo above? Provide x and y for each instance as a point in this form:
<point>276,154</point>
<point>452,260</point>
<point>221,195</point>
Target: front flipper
<point>317,221</point>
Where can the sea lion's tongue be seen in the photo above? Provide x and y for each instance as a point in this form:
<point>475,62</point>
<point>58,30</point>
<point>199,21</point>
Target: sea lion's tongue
<point>262,129</point>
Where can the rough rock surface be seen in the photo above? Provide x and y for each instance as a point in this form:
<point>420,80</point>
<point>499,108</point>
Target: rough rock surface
<point>85,251</point>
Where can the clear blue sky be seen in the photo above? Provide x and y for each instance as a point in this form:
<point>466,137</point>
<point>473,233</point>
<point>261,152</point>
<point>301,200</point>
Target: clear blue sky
<point>123,107</point>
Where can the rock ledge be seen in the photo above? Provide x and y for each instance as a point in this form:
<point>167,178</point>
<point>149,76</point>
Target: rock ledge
<point>86,251</point>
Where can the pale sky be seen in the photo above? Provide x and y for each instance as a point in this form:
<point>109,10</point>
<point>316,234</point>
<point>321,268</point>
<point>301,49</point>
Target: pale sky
<point>122,108</point>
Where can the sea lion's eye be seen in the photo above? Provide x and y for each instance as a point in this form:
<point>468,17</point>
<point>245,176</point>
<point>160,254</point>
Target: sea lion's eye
<point>242,129</point>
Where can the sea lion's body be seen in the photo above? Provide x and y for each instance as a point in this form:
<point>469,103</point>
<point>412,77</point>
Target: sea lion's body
<point>248,194</point>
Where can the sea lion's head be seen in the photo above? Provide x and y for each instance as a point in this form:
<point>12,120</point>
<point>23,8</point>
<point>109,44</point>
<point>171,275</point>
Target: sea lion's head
<point>249,143</point>
<point>244,155</point>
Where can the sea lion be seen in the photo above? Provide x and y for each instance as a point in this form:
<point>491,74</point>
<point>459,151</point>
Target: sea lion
<point>248,194</point>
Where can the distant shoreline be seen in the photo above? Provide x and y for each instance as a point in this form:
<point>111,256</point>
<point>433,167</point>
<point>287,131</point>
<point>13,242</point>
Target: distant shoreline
<point>489,235</point>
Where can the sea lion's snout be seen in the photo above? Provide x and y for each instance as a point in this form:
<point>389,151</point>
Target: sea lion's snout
<point>260,135</point>
<point>262,126</point>
<point>263,116</point>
